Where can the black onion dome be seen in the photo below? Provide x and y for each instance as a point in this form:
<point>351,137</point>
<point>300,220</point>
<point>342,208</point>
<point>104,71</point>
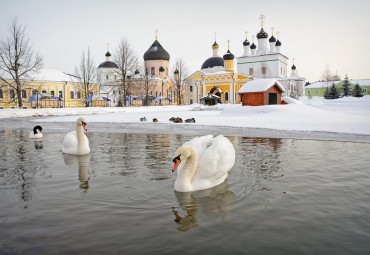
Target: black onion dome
<point>108,64</point>
<point>176,71</point>
<point>228,56</point>
<point>156,52</point>
<point>212,62</point>
<point>161,69</point>
<point>253,46</point>
<point>262,34</point>
<point>293,67</point>
<point>278,43</point>
<point>272,39</point>
<point>246,43</point>
<point>108,54</point>
<point>215,44</point>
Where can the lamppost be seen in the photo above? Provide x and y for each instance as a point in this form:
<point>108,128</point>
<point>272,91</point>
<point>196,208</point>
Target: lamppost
<point>176,73</point>
<point>161,73</point>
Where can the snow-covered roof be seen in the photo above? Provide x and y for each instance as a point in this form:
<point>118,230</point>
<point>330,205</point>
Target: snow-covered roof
<point>259,86</point>
<point>362,82</point>
<point>51,75</point>
<point>218,73</point>
<point>322,84</point>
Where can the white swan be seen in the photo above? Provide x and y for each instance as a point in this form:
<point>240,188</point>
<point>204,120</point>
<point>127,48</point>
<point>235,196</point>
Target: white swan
<point>36,133</point>
<point>76,142</point>
<point>203,162</point>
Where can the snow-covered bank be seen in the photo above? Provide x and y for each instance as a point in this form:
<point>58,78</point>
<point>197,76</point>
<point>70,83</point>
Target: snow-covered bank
<point>346,115</point>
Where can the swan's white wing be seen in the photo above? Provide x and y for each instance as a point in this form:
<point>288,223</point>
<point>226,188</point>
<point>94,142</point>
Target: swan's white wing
<point>200,143</point>
<point>216,161</point>
<point>70,143</point>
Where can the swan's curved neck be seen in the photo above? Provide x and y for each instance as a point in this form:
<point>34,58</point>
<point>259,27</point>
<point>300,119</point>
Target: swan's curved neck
<point>186,175</point>
<point>80,135</point>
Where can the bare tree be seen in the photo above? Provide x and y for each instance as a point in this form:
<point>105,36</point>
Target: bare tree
<point>86,75</point>
<point>181,72</point>
<point>147,86</point>
<point>126,60</point>
<point>17,59</point>
<point>327,74</point>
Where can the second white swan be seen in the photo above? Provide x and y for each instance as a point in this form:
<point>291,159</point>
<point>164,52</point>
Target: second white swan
<point>76,142</point>
<point>203,162</point>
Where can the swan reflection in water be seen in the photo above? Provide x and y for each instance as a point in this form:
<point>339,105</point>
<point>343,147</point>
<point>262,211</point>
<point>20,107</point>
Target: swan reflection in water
<point>80,161</point>
<point>38,144</point>
<point>214,203</point>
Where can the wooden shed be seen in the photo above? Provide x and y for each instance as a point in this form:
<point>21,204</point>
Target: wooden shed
<point>261,92</point>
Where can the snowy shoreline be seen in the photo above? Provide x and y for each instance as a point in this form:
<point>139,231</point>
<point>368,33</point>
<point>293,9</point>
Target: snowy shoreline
<point>345,119</point>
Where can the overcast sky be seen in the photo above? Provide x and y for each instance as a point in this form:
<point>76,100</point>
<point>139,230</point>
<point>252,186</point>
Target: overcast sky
<point>316,33</point>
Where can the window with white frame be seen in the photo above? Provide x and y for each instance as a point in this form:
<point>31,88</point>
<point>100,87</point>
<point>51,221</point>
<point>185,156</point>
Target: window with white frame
<point>191,88</point>
<point>1,93</point>
<point>52,92</point>
<point>43,91</point>
<point>316,92</point>
<point>364,90</point>
<point>226,96</point>
<point>60,94</point>
<point>152,70</point>
<point>191,101</point>
<point>250,71</point>
<point>72,95</point>
<point>78,94</point>
<point>309,92</point>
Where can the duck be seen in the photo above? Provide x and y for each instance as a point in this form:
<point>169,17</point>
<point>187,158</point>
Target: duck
<point>192,120</point>
<point>36,133</point>
<point>76,142</point>
<point>143,119</point>
<point>202,163</point>
<point>155,120</point>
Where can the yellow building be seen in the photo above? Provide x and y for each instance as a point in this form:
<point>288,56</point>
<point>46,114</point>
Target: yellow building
<point>216,79</point>
<point>51,82</point>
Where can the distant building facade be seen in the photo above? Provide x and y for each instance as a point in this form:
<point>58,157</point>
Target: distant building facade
<point>265,61</point>
<point>50,82</point>
<point>318,88</point>
<point>153,80</point>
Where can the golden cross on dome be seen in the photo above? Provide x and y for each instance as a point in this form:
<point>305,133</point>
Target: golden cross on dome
<point>252,38</point>
<point>262,17</point>
<point>215,36</point>
<point>272,29</point>
<point>156,33</point>
<point>293,61</point>
<point>246,34</point>
<point>278,33</point>
<point>228,44</point>
<point>107,46</point>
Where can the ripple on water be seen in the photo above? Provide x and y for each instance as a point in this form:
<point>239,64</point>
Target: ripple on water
<point>313,194</point>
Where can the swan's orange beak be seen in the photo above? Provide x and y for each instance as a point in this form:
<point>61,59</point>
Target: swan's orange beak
<point>177,162</point>
<point>84,126</point>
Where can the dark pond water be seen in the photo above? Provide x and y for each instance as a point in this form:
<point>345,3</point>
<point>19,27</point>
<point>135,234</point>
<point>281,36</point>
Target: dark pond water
<point>283,196</point>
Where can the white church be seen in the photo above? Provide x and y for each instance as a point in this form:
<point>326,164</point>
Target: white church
<point>268,62</point>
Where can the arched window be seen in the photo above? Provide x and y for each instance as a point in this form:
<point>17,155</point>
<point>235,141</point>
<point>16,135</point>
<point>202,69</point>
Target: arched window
<point>152,70</point>
<point>167,71</point>
<point>146,71</point>
<point>226,96</point>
